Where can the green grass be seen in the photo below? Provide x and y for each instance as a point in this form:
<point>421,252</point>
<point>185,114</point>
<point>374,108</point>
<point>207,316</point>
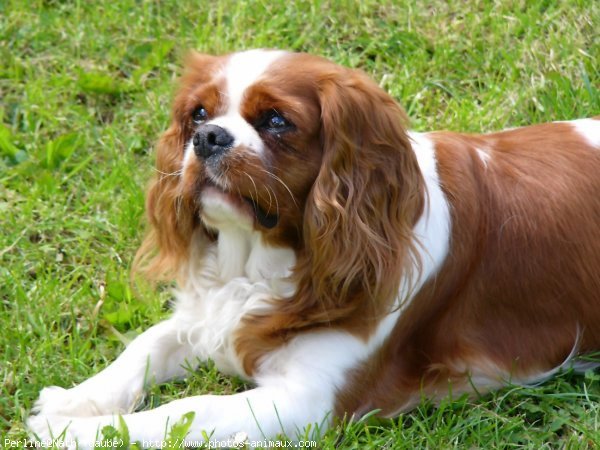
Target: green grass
<point>85,89</point>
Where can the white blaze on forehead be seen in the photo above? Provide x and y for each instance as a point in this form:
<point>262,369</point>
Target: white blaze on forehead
<point>243,70</point>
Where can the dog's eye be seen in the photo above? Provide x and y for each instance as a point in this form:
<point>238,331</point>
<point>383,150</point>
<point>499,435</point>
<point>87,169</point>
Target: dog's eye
<point>199,115</point>
<point>277,121</point>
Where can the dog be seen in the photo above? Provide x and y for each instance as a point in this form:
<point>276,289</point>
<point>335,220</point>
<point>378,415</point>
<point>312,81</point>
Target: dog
<point>343,264</point>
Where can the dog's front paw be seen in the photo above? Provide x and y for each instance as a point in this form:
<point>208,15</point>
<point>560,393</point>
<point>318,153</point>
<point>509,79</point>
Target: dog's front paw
<point>56,401</point>
<point>51,432</point>
<point>85,400</point>
<point>67,433</point>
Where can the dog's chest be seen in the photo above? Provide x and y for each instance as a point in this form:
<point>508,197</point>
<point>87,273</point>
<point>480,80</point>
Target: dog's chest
<point>220,292</point>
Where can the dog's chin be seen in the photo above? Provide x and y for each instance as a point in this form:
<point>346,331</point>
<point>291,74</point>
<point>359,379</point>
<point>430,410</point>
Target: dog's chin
<point>223,209</point>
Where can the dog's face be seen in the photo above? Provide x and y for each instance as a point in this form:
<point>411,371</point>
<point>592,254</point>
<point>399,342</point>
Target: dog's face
<point>252,136</point>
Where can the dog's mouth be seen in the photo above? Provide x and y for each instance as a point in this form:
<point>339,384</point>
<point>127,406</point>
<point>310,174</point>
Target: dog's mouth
<point>217,201</point>
<point>263,217</point>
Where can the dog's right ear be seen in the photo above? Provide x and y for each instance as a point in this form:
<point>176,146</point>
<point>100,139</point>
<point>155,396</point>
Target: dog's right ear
<point>165,248</point>
<point>171,215</point>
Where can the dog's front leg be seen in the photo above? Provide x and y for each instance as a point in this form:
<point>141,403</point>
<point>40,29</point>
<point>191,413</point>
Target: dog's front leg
<point>258,414</point>
<point>157,355</point>
<point>297,386</point>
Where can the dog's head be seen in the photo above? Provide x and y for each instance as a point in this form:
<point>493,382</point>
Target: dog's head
<point>311,155</point>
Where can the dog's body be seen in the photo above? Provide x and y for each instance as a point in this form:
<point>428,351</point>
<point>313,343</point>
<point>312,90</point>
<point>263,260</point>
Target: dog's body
<point>344,265</point>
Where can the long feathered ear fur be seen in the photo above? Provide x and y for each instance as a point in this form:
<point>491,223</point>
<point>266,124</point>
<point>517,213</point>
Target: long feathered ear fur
<point>358,220</point>
<point>366,199</point>
<point>171,217</point>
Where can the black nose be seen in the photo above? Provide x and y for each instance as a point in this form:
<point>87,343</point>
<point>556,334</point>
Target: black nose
<point>211,140</point>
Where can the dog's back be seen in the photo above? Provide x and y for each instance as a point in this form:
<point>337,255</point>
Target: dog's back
<point>519,292</point>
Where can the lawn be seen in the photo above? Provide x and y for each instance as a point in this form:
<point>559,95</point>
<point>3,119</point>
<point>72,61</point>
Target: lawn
<point>85,89</point>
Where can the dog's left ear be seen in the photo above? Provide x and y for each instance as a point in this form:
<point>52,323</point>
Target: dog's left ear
<point>366,199</point>
<point>358,240</point>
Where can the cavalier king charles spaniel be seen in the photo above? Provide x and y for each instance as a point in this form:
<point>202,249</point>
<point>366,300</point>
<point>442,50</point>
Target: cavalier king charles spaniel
<point>342,264</point>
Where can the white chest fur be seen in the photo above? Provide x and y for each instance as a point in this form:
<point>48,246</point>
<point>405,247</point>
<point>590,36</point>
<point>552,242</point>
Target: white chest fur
<point>236,276</point>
